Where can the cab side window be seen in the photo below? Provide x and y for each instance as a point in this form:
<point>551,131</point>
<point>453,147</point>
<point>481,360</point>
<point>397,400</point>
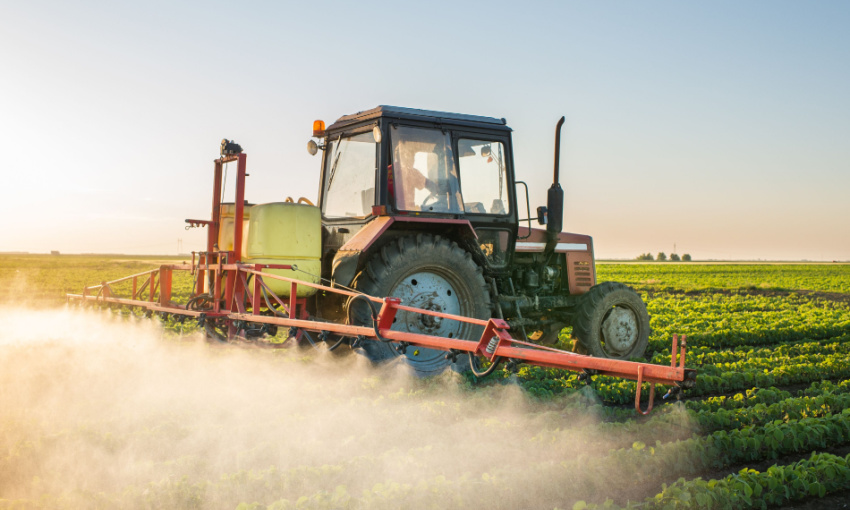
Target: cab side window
<point>483,176</point>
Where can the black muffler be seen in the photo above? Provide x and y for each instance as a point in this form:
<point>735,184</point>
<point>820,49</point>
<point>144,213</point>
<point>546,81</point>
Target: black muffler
<point>555,198</point>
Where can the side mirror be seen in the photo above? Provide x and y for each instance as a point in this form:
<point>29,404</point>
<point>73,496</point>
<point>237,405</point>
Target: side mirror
<point>542,215</point>
<point>312,147</point>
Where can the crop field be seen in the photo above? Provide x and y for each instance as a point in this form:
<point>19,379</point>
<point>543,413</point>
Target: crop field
<point>101,409</point>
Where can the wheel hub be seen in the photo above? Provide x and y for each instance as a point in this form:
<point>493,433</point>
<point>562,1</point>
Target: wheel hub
<point>429,322</point>
<point>428,291</point>
<point>620,330</point>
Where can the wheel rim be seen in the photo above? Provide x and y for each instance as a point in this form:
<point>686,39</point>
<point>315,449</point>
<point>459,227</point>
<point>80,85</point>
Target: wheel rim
<point>620,331</point>
<point>429,291</point>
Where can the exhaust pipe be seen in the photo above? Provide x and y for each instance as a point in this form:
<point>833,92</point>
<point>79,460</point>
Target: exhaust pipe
<point>555,199</point>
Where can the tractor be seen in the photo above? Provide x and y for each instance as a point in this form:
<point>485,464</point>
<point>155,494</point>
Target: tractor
<point>417,251</point>
<point>425,206</point>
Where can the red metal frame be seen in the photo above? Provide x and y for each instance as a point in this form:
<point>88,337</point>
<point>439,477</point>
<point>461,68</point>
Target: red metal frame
<point>234,301</point>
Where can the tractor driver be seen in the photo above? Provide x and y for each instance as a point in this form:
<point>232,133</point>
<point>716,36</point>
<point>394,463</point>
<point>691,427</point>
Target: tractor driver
<point>410,179</point>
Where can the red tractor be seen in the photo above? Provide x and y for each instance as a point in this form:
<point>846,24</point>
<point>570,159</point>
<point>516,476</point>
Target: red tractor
<point>423,206</point>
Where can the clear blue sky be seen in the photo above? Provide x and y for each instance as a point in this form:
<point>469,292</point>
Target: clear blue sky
<point>723,127</point>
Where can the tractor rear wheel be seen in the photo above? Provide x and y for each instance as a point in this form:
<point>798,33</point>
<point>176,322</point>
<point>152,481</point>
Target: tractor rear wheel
<point>612,322</point>
<point>426,272</point>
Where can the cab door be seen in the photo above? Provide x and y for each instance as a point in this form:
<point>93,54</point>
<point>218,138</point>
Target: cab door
<point>486,182</point>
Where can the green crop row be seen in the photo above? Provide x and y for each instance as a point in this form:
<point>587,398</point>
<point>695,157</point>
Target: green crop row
<point>758,396</point>
<point>783,375</point>
<point>545,383</point>
<point>816,476</point>
<point>725,448</point>
<point>720,321</point>
<point>720,450</point>
<point>617,391</point>
<point>739,400</point>
<point>765,396</point>
<point>702,355</point>
<point>767,364</point>
<point>821,387</point>
<point>813,277</point>
<point>791,408</point>
<point>674,422</point>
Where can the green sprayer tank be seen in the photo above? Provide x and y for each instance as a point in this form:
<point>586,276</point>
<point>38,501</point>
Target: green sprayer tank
<point>286,233</point>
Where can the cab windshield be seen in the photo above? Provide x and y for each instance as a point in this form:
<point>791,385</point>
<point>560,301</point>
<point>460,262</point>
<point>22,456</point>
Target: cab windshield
<point>350,165</point>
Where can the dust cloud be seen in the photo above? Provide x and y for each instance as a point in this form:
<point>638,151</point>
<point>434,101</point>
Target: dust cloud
<point>99,411</point>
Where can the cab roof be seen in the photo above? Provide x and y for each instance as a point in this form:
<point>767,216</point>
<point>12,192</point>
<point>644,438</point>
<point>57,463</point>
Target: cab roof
<point>402,113</point>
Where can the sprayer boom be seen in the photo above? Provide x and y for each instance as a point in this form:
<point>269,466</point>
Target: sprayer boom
<point>251,303</point>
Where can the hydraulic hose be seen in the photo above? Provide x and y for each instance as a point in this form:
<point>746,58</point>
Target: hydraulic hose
<point>285,316</point>
<point>306,333</point>
<point>190,305</point>
<point>496,362</point>
<point>374,315</point>
<point>269,304</point>
<point>337,344</point>
<point>309,339</point>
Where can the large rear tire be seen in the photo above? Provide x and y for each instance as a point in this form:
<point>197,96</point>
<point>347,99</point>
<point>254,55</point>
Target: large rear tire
<point>427,272</point>
<point>612,322</point>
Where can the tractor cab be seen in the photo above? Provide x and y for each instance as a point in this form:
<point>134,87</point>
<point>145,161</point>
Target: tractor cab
<point>412,171</point>
<point>422,206</point>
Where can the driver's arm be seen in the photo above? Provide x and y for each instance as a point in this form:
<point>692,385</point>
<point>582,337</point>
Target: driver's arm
<point>431,186</point>
<point>411,180</point>
<point>420,181</point>
<point>415,179</point>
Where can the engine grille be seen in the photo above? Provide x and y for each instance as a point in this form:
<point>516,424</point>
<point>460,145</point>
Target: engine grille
<point>580,275</point>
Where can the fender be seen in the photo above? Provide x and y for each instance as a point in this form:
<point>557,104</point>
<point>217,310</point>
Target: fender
<point>348,259</point>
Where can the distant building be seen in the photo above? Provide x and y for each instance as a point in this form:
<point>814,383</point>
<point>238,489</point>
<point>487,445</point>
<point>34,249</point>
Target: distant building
<point>54,252</point>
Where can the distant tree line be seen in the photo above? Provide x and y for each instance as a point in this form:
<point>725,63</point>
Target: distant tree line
<point>662,257</point>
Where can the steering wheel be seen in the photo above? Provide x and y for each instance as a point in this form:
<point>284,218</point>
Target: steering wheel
<point>436,190</point>
<point>431,199</point>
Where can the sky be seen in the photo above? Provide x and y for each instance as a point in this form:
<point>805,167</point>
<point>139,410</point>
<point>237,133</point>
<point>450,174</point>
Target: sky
<point>721,128</point>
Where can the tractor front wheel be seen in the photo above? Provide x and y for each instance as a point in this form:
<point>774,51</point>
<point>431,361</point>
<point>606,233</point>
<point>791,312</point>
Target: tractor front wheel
<point>612,322</point>
<point>427,272</point>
